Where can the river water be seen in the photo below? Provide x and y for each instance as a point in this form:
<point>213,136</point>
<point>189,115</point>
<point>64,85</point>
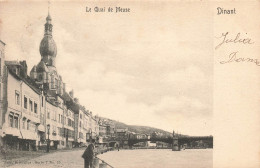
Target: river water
<point>159,158</point>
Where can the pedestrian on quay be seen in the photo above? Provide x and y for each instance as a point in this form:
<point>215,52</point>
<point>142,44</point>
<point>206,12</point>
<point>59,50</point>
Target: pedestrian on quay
<point>88,155</point>
<point>117,146</point>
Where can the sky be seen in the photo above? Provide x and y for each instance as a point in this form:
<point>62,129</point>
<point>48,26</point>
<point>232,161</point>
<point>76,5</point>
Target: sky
<point>152,66</point>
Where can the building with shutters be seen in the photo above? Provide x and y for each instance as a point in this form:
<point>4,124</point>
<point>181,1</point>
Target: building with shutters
<point>31,103</point>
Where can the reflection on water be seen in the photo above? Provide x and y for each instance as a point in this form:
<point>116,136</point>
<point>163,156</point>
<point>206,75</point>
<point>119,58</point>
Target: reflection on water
<point>159,158</point>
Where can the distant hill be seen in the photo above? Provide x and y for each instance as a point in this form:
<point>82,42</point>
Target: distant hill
<point>141,129</point>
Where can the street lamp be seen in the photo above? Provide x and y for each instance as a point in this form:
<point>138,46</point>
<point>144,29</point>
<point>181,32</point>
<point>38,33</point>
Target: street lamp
<point>48,140</point>
<point>90,135</point>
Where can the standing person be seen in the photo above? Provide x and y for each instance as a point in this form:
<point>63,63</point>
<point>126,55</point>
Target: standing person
<point>88,155</point>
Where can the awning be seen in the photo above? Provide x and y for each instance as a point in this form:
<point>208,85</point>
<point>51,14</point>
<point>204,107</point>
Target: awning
<point>41,128</point>
<point>26,134</point>
<point>11,131</point>
<point>71,139</point>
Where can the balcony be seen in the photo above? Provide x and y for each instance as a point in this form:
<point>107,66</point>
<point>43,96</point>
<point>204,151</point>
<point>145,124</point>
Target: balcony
<point>31,116</point>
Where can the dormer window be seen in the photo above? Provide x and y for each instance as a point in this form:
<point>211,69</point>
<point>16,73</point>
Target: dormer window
<point>40,77</point>
<point>31,105</point>
<point>25,102</point>
<point>17,97</point>
<point>56,83</point>
<point>35,108</point>
<point>52,82</point>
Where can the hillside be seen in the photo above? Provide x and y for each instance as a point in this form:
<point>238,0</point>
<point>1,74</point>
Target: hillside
<point>140,129</point>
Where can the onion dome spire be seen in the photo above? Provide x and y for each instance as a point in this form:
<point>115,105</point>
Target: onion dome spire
<point>48,25</point>
<point>48,48</point>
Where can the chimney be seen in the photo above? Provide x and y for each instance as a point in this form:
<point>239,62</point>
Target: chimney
<point>23,70</point>
<point>71,93</point>
<point>76,100</point>
<point>64,87</point>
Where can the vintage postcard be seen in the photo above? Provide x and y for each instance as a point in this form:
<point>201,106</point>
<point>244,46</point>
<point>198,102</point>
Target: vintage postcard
<point>129,84</point>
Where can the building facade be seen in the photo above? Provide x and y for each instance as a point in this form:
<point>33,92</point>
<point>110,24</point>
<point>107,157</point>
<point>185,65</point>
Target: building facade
<point>37,108</point>
<point>22,112</point>
<point>2,59</point>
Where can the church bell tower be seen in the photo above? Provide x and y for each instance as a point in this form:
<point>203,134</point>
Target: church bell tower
<point>48,48</point>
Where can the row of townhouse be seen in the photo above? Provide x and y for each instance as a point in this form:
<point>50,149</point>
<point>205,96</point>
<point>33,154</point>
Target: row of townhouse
<point>31,114</point>
<point>86,125</point>
<point>37,107</point>
<point>124,134</point>
<point>107,127</point>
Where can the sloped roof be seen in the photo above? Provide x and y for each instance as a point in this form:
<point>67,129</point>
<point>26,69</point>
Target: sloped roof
<point>26,80</point>
<point>41,67</point>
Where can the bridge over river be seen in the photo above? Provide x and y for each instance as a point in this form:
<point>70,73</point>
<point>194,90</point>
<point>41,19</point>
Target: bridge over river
<point>177,142</point>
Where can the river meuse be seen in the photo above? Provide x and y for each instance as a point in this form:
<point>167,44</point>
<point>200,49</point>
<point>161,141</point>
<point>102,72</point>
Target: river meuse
<point>159,158</point>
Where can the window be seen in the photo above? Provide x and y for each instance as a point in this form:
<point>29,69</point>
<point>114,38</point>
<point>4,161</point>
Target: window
<point>59,131</point>
<point>56,83</point>
<point>48,113</point>
<point>16,122</point>
<point>81,135</point>
<point>40,77</point>
<point>52,82</point>
<point>35,107</point>
<point>80,116</point>
<point>25,102</point>
<point>16,71</point>
<point>23,124</point>
<point>69,122</point>
<point>28,124</point>
<point>42,101</point>
<point>80,124</point>
<point>17,97</point>
<point>30,105</point>
<point>11,119</point>
<point>62,119</point>
<point>59,118</point>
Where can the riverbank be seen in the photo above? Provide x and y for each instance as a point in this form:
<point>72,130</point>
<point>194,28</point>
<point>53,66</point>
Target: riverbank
<point>11,157</point>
